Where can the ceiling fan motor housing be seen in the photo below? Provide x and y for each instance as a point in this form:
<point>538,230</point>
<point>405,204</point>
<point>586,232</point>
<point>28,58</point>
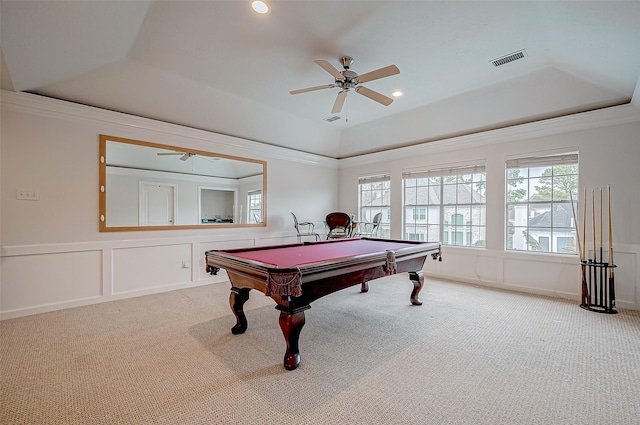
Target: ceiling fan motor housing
<point>350,79</point>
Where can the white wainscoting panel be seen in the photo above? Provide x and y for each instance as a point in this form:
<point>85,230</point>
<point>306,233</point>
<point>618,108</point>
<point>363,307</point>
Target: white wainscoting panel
<point>41,282</point>
<point>626,279</point>
<point>144,268</point>
<point>465,264</point>
<point>542,274</point>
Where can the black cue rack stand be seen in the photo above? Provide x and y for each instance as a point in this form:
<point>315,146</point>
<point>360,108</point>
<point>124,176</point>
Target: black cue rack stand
<point>598,287</point>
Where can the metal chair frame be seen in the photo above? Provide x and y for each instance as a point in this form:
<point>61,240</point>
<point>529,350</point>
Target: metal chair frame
<point>370,228</point>
<point>305,228</point>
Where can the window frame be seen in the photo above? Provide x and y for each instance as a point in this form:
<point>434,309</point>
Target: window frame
<point>252,211</point>
<point>381,185</point>
<point>539,218</point>
<point>436,187</point>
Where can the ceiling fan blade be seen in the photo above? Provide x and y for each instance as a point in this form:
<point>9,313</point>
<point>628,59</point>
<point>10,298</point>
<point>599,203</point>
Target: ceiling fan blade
<point>183,155</point>
<point>337,106</point>
<point>326,86</point>
<point>329,68</point>
<point>374,95</point>
<point>378,73</point>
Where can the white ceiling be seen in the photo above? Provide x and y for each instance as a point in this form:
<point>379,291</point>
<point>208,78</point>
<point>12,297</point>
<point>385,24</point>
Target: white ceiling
<point>217,66</point>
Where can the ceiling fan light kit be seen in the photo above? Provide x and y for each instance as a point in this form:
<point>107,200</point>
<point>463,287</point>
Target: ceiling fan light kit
<point>348,79</point>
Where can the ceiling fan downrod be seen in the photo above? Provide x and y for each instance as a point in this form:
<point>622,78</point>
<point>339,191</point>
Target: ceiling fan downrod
<point>346,61</point>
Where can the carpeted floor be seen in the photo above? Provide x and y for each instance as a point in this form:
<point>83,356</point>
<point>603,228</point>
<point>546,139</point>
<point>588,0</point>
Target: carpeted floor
<point>469,355</point>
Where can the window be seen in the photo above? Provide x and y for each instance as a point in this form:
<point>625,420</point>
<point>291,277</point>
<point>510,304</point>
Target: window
<point>254,212</point>
<point>538,200</point>
<point>374,196</point>
<point>420,214</point>
<point>446,205</point>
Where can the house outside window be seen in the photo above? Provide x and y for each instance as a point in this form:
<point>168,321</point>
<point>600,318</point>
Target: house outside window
<point>539,214</point>
<point>374,196</point>
<point>446,205</point>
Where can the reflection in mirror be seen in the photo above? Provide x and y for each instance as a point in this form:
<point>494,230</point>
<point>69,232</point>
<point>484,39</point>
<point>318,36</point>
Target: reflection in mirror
<point>148,186</point>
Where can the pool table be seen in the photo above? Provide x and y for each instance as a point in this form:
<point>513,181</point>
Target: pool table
<point>294,275</point>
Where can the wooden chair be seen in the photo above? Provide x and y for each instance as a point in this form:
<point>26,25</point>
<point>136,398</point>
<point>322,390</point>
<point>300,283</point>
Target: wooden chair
<point>306,228</point>
<point>371,229</point>
<point>339,225</point>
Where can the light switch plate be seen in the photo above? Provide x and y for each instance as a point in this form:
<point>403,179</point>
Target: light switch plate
<point>28,195</point>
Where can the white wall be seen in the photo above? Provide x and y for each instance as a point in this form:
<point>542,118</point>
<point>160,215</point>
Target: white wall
<point>608,141</point>
<point>52,255</point>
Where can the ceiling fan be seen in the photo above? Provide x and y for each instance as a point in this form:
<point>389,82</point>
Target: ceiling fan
<point>348,79</point>
<point>184,155</point>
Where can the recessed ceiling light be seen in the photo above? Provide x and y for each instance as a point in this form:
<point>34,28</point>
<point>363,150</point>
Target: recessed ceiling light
<point>396,93</point>
<point>261,7</point>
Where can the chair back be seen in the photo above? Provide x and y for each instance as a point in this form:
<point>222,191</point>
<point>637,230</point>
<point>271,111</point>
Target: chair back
<point>295,222</point>
<point>305,228</point>
<point>339,224</point>
<point>370,228</point>
<point>377,219</point>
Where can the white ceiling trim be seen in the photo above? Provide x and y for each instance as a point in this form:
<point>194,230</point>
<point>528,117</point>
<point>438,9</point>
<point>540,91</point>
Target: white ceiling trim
<point>635,100</point>
<point>152,130</point>
<point>614,115</point>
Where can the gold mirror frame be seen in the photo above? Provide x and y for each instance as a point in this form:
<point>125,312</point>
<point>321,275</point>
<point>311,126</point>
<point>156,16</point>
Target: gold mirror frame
<point>244,169</point>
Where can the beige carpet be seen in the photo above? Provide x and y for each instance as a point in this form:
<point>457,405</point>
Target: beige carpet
<point>469,355</point>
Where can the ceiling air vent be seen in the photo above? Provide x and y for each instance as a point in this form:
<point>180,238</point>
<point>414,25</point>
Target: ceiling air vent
<point>520,54</point>
<point>332,118</point>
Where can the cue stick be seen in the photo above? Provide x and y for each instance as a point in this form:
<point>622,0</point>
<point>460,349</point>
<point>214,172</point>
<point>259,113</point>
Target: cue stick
<point>575,225</point>
<point>593,220</point>
<point>612,291</point>
<point>584,240</point>
<point>593,273</point>
<point>603,292</point>
<point>585,290</point>
<point>601,216</point>
<point>610,226</point>
<point>584,225</point>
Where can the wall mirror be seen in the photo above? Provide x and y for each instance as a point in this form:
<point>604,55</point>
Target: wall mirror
<point>149,186</point>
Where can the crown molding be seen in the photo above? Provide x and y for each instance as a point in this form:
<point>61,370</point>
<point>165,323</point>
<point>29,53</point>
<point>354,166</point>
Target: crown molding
<point>113,121</point>
<point>201,139</point>
<point>635,98</point>
<point>604,117</point>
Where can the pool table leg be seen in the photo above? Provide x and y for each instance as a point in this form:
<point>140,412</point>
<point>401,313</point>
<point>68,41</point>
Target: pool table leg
<point>418,280</point>
<point>237,298</point>
<point>291,325</point>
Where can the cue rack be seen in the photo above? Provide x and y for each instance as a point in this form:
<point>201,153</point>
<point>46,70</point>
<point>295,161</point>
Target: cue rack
<point>598,280</point>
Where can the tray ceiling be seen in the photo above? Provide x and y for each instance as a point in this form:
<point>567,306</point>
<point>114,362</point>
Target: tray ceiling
<point>219,67</point>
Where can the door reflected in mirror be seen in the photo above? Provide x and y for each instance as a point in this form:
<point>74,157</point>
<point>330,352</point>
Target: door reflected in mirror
<point>149,186</point>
